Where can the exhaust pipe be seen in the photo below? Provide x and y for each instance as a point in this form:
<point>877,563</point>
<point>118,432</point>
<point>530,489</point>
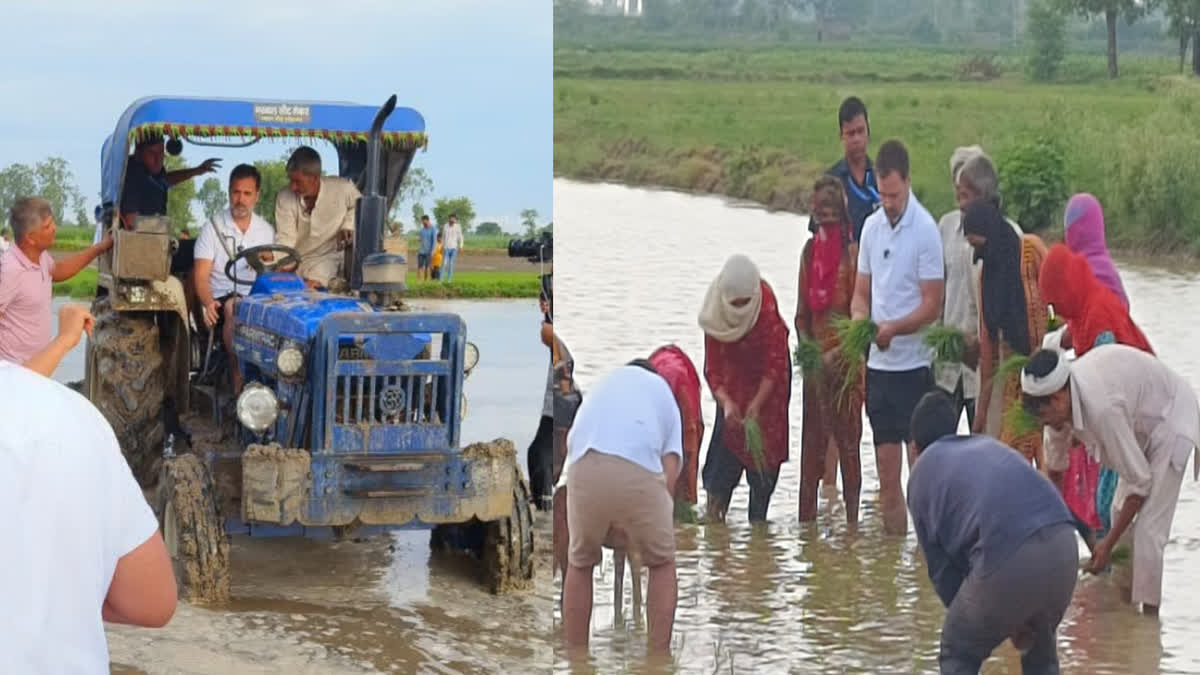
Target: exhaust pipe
<point>371,211</point>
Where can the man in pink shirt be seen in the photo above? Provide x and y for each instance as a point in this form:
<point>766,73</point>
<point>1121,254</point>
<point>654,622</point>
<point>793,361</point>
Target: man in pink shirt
<point>27,276</point>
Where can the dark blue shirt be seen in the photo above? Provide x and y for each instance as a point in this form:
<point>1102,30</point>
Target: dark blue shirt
<point>428,240</point>
<point>974,501</point>
<point>143,193</point>
<point>862,199</point>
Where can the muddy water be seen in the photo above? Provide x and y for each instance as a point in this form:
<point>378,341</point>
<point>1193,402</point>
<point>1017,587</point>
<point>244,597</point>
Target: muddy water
<point>785,597</point>
<point>385,605</point>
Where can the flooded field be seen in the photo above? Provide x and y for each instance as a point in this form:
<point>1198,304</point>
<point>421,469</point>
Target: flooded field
<point>816,599</point>
<point>384,605</point>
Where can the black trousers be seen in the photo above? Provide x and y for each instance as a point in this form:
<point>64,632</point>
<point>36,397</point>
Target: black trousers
<point>723,471</point>
<point>541,463</point>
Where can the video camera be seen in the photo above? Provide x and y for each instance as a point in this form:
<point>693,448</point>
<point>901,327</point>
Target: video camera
<point>539,249</point>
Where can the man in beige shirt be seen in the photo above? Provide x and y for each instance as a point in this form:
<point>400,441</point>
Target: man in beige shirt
<point>315,216</point>
<point>1137,417</point>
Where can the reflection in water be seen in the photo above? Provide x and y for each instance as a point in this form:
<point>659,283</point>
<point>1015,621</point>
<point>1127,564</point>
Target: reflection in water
<point>815,597</point>
<point>386,604</point>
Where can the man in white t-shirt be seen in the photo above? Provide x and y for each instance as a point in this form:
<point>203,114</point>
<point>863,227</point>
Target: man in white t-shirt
<point>81,545</point>
<point>900,285</point>
<point>225,235</point>
<point>623,460</point>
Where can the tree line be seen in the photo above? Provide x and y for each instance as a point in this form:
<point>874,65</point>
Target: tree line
<point>924,21</point>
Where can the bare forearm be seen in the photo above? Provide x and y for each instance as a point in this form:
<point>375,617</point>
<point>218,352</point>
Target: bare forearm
<point>69,267</point>
<point>764,391</point>
<point>179,175</point>
<point>1133,504</point>
<point>671,468</point>
<point>926,313</point>
<point>46,361</point>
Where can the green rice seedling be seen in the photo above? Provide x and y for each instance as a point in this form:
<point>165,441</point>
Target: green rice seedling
<point>1053,323</point>
<point>1012,365</point>
<point>754,444</point>
<point>684,513</point>
<point>808,356</point>
<point>1020,420</point>
<point>949,345</point>
<point>856,338</point>
<point>1120,555</point>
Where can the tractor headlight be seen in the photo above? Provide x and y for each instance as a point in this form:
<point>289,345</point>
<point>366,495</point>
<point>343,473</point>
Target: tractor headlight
<point>289,361</point>
<point>257,407</point>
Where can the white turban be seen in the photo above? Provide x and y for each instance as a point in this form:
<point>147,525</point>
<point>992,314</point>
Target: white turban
<point>1052,382</point>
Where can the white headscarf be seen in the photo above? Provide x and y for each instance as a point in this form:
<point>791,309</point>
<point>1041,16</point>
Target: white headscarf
<point>1053,381</point>
<point>719,317</point>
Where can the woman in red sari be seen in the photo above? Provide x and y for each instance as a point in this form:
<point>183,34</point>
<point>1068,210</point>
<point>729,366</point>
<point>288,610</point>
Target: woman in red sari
<point>749,371</point>
<point>827,271</point>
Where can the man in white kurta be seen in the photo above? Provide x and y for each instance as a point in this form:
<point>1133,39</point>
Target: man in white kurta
<point>1135,416</point>
<point>315,216</point>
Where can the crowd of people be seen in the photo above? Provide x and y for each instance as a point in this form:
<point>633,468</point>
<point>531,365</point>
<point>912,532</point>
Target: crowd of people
<point>1104,455</point>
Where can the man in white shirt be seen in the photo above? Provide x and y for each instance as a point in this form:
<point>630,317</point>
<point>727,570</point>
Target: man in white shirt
<point>84,552</point>
<point>900,284</point>
<point>452,241</point>
<point>225,235</point>
<point>315,216</point>
<point>1136,416</point>
<point>974,177</point>
<point>623,461</point>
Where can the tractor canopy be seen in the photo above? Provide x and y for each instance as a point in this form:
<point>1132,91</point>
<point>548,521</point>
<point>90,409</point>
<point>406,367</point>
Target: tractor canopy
<point>239,123</point>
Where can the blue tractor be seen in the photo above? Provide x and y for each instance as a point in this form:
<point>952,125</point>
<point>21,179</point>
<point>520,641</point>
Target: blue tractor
<point>348,424</point>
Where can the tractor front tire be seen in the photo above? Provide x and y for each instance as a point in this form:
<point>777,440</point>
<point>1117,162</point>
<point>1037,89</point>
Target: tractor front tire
<point>127,383</point>
<point>508,543</point>
<point>193,531</point>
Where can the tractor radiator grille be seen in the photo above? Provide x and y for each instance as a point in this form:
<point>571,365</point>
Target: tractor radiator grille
<point>396,399</point>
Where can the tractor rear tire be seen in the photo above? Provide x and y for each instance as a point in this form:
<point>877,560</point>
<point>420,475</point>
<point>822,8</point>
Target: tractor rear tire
<point>508,543</point>
<point>192,528</point>
<point>125,359</point>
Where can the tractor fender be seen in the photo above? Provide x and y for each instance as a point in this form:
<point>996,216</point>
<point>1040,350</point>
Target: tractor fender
<point>167,299</point>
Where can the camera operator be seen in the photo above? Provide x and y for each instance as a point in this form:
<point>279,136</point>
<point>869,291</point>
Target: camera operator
<point>541,450</point>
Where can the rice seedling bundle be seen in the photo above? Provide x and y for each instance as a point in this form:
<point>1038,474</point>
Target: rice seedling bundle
<point>808,356</point>
<point>754,444</point>
<point>856,338</point>
<point>949,345</point>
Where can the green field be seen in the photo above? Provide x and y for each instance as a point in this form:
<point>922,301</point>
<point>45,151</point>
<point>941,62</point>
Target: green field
<point>70,238</point>
<point>474,285</point>
<point>761,124</point>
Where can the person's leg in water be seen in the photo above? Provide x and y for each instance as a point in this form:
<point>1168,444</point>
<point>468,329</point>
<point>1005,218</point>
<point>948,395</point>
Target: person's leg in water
<point>813,440</point>
<point>721,473</point>
<point>829,480</point>
<point>661,598</point>
<point>889,430</point>
<point>762,486</point>
<point>540,461</point>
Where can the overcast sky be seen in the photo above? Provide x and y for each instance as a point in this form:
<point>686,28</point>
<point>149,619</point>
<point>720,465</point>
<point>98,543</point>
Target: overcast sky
<point>478,70</point>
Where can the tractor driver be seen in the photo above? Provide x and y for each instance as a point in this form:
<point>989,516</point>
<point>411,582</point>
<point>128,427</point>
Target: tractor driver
<point>315,216</point>
<point>223,236</point>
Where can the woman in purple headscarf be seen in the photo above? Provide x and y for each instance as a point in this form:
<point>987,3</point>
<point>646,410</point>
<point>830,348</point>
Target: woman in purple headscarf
<point>1084,224</point>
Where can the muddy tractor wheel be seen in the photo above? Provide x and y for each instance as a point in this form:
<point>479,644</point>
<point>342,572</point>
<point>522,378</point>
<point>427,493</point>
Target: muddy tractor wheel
<point>126,382</point>
<point>193,530</point>
<point>508,543</point>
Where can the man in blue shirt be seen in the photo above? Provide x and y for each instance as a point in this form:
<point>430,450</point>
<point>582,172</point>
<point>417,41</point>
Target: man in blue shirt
<point>425,252</point>
<point>999,543</point>
<point>854,169</point>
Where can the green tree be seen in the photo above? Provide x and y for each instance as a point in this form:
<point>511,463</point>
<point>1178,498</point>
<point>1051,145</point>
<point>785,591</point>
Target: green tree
<point>460,206</point>
<point>180,196</point>
<point>1131,10</point>
<point>416,186</point>
<point>274,180</point>
<point>1047,35</point>
<point>418,212</point>
<point>1184,21</point>
<point>212,197</point>
<point>16,181</point>
<point>82,219</point>
<point>529,220</point>
<point>56,184</point>
<point>489,229</point>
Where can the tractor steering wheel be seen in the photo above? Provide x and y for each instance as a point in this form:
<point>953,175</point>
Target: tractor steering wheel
<point>251,254</point>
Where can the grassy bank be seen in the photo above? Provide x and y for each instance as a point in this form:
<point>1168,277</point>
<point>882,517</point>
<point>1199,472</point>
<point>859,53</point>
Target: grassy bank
<point>476,243</point>
<point>761,124</point>
<point>474,285</point>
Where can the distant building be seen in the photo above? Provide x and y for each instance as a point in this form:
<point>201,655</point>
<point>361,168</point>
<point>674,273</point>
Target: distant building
<point>625,7</point>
